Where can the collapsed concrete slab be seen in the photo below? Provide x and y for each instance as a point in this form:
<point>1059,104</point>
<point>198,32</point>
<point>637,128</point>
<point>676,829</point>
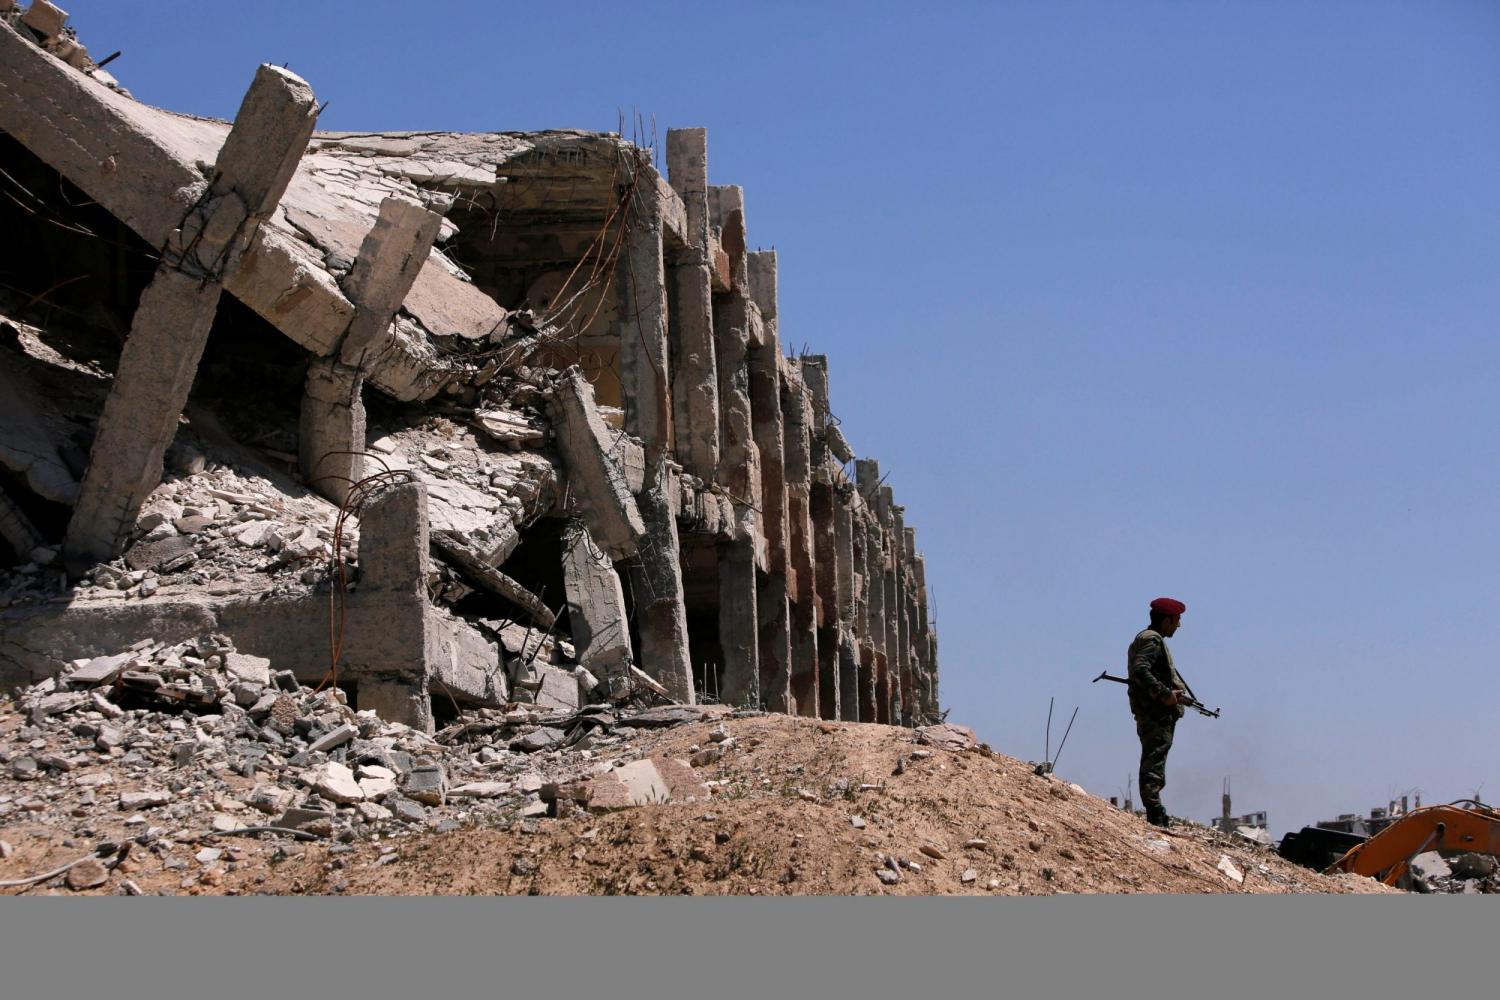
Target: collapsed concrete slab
<point>595,403</point>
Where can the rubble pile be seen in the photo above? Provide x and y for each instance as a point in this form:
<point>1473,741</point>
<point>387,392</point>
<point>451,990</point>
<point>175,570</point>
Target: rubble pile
<point>174,747</point>
<point>466,421</point>
<point>1466,874</point>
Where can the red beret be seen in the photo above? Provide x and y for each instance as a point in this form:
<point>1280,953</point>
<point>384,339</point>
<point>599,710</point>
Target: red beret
<point>1168,606</point>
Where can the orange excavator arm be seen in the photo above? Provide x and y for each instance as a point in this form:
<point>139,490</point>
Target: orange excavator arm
<point>1454,827</point>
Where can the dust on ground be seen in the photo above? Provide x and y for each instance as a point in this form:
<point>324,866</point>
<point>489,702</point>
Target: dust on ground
<point>800,807</point>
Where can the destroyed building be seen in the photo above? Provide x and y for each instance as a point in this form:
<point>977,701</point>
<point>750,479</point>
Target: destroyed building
<point>447,420</point>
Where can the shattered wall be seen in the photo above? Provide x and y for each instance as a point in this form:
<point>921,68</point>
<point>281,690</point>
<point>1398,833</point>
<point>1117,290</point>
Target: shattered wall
<point>444,419</point>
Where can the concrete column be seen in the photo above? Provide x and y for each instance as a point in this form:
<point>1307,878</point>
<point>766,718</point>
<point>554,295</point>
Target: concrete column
<point>331,431</point>
<point>726,207</point>
<point>388,651</point>
<point>869,668</point>
<point>172,321</point>
<point>867,474</point>
<point>903,623</point>
<point>332,434</point>
<point>644,378</point>
<point>739,623</point>
<point>656,586</point>
<point>596,609</point>
<point>826,599</point>
<point>848,657</point>
<point>917,617</point>
<point>739,464</point>
<point>765,406</point>
<point>775,643</point>
<point>801,592</point>
<point>695,385</point>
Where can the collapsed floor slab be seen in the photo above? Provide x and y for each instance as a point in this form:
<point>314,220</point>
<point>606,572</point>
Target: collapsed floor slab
<point>608,353</point>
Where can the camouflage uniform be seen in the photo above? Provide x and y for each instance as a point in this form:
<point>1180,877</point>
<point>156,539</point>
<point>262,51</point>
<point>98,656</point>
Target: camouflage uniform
<point>1152,678</point>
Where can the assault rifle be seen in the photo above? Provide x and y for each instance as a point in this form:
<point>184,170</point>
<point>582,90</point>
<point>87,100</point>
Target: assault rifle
<point>1191,701</point>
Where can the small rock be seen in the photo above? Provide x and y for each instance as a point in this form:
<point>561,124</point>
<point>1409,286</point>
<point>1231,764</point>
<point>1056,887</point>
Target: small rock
<point>129,888</point>
<point>524,864</point>
<point>857,822</point>
<point>329,741</point>
<point>88,875</point>
<point>887,876</point>
<point>6,850</point>
<point>405,809</point>
<point>706,756</point>
<point>932,852</point>
<point>968,876</point>
<point>316,821</point>
<point>372,812</point>
<point>481,790</point>
<point>209,855</point>
<point>541,739</point>
<point>1227,866</point>
<point>976,844</point>
<point>144,800</point>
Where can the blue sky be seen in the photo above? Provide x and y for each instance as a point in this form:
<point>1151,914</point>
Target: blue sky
<point>1129,299</point>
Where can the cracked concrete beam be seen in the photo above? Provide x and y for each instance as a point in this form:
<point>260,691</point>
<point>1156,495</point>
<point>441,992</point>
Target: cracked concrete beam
<point>594,473</point>
<point>475,571</point>
<point>172,321</point>
<point>141,165</point>
<point>95,137</point>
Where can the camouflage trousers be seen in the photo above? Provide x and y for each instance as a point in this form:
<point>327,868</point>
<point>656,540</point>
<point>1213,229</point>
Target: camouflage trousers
<point>1155,732</point>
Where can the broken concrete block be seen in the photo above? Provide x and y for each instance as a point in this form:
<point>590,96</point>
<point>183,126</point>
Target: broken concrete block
<point>948,736</point>
<point>541,739</point>
<point>1229,868</point>
<point>637,783</point>
<point>131,801</point>
<point>335,782</point>
<point>100,670</point>
<point>481,790</point>
<point>45,18</point>
<point>251,669</point>
<point>559,688</point>
<point>269,799</point>
<point>594,475</point>
<point>316,821</point>
<point>427,784</point>
<point>168,553</point>
<point>337,738</point>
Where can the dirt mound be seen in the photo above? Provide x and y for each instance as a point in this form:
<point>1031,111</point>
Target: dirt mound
<point>798,807</point>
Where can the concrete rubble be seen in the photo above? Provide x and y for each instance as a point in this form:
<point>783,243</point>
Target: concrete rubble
<point>433,427</point>
<point>192,745</point>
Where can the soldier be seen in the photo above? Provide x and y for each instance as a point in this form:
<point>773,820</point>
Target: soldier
<point>1154,692</point>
